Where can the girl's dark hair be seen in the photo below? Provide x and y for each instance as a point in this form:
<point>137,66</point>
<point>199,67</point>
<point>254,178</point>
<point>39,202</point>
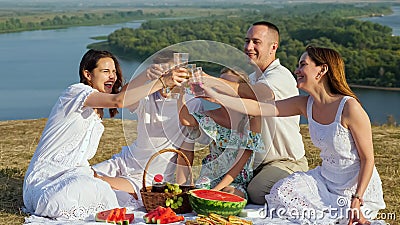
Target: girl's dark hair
<point>336,75</point>
<point>89,62</point>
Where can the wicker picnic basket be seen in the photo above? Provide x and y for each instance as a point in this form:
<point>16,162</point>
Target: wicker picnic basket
<point>152,200</point>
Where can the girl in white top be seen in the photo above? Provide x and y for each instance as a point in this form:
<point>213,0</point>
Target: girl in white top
<point>347,180</point>
<point>158,128</point>
<point>59,182</point>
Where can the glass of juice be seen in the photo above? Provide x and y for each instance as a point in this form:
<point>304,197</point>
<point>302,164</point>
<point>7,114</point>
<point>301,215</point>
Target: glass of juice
<point>197,81</point>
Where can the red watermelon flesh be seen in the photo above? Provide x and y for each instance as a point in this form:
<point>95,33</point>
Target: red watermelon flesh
<point>104,216</point>
<point>129,217</point>
<point>161,215</point>
<point>117,215</point>
<point>217,195</point>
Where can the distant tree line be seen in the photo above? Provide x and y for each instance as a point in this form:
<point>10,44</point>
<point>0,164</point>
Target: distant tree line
<point>371,53</point>
<point>14,24</point>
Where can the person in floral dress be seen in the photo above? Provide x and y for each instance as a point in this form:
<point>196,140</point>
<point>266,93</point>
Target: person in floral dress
<point>229,166</point>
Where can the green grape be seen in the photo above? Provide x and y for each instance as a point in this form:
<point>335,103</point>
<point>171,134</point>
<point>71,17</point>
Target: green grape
<point>174,202</point>
<point>169,202</point>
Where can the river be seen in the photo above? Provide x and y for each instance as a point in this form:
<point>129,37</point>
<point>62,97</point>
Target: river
<point>38,65</point>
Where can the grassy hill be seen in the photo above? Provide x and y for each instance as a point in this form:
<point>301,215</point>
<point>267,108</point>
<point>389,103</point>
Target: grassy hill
<point>19,140</point>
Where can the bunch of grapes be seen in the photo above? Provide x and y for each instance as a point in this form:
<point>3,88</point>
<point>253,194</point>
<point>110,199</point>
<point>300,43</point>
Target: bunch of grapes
<point>174,202</point>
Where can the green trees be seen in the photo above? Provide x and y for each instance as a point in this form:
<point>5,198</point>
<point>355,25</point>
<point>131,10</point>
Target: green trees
<point>371,53</point>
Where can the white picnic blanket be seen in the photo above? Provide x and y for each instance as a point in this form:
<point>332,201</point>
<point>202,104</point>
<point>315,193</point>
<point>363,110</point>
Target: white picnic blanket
<point>254,211</point>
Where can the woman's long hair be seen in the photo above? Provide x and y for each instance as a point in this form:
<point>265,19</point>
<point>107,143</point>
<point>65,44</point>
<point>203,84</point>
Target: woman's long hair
<point>336,75</point>
<point>89,62</point>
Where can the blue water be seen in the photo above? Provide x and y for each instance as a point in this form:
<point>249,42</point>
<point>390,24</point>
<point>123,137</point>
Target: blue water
<point>38,65</point>
<point>392,20</point>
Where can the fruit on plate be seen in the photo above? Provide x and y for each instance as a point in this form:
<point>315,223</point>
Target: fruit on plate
<point>161,215</point>
<point>205,201</point>
<point>115,216</point>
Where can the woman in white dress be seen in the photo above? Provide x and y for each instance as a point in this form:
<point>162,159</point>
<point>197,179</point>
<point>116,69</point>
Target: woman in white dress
<point>347,186</point>
<point>59,182</point>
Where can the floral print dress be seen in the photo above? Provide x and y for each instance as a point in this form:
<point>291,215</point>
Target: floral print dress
<point>224,150</point>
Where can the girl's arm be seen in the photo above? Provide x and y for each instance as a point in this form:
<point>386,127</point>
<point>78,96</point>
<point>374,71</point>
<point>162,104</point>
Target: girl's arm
<point>232,88</point>
<point>288,107</point>
<point>182,170</point>
<point>119,183</point>
<point>185,117</point>
<point>357,121</point>
<point>153,72</point>
<point>131,94</point>
<point>241,159</point>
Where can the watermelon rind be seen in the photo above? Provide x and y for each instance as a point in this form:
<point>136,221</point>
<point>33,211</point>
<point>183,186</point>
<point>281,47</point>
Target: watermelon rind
<point>223,208</point>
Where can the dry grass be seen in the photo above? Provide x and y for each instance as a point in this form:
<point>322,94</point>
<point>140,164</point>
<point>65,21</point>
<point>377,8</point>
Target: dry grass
<point>19,140</point>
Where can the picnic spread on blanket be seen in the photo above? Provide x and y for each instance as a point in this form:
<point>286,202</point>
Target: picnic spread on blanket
<point>61,184</point>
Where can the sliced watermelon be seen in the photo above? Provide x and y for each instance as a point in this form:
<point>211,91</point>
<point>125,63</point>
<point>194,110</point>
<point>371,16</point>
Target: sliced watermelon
<point>115,216</point>
<point>169,216</point>
<point>161,215</point>
<point>104,216</point>
<point>129,217</point>
<point>150,215</point>
<point>170,219</point>
<point>166,214</point>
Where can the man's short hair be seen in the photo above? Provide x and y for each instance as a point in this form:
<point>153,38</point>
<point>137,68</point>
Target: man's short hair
<point>267,24</point>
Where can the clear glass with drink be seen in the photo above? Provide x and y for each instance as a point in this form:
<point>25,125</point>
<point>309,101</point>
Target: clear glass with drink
<point>181,59</point>
<point>190,70</point>
<point>197,82</point>
<point>165,67</point>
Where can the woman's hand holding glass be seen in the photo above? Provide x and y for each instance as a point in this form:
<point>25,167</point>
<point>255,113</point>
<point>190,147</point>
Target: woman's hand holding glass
<point>201,86</point>
<point>155,71</point>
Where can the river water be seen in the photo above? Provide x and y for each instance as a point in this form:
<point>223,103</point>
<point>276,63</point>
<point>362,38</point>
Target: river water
<point>38,65</point>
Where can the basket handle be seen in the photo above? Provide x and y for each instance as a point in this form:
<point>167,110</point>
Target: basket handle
<point>159,153</point>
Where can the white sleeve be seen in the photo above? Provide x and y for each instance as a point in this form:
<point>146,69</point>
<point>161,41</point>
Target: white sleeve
<point>73,99</point>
